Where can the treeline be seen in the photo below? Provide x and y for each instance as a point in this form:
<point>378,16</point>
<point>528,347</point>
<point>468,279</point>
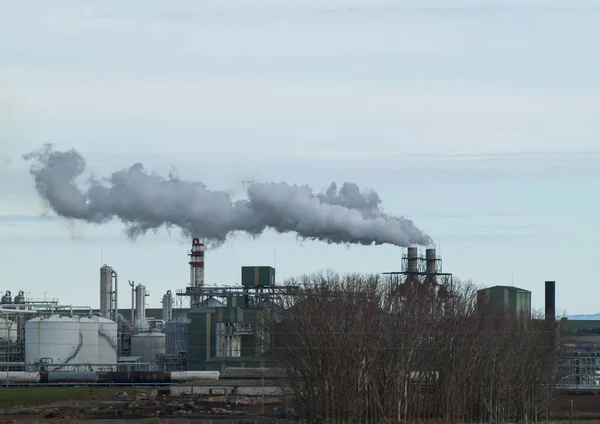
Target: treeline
<point>358,348</point>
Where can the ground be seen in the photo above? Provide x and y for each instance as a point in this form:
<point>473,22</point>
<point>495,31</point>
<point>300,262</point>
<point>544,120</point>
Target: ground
<point>81,404</point>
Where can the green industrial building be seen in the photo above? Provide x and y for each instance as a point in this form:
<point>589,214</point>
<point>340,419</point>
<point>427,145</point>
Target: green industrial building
<point>236,335</point>
<point>507,299</point>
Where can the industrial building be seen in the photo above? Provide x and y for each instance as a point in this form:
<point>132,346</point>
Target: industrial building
<point>198,329</point>
<point>221,328</point>
<point>505,299</point>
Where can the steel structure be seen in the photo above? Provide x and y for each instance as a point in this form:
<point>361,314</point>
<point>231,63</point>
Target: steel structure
<point>419,271</point>
<point>253,296</point>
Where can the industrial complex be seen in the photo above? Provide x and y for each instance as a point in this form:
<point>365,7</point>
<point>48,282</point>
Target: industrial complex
<point>214,329</point>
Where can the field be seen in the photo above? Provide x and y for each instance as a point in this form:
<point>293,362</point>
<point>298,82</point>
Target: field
<point>20,396</point>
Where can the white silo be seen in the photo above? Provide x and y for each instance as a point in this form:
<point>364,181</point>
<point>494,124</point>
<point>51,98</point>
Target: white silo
<point>148,346</point>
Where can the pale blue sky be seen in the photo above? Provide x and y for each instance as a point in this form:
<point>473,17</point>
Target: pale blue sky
<point>478,120</point>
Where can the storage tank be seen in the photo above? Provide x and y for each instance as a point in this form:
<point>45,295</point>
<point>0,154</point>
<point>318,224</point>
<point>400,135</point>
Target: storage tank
<point>148,345</point>
<point>89,350</point>
<point>72,340</point>
<point>8,330</point>
<point>107,341</point>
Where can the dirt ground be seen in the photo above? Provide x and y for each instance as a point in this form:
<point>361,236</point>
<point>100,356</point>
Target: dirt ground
<point>79,405</point>
<point>64,405</point>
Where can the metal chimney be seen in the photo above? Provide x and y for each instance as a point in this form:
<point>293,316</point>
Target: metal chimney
<point>550,300</point>
<point>431,268</point>
<point>412,265</point>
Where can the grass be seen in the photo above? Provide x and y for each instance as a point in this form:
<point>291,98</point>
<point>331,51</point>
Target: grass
<point>25,396</point>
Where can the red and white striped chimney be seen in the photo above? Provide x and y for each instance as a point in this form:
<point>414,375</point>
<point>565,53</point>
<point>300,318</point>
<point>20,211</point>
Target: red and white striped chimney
<point>197,264</point>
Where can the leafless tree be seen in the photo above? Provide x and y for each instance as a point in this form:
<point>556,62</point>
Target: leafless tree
<point>358,348</point>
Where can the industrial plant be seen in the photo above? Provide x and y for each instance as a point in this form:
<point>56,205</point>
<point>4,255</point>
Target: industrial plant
<point>202,331</point>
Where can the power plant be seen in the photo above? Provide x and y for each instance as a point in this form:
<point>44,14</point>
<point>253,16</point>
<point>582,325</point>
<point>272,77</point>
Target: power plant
<point>223,327</point>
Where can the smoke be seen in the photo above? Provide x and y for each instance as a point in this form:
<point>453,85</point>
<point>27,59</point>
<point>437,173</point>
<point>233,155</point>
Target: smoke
<point>146,201</point>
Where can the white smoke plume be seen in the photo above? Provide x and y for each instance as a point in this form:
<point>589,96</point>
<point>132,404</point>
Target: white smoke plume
<point>146,201</point>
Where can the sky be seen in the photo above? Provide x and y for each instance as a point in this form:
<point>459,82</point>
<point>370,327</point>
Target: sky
<point>478,120</point>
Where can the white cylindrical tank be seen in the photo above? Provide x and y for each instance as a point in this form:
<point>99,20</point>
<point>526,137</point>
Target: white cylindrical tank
<point>19,377</point>
<point>89,350</point>
<point>72,340</point>
<point>107,341</point>
<point>148,346</point>
<point>53,337</point>
<point>8,330</point>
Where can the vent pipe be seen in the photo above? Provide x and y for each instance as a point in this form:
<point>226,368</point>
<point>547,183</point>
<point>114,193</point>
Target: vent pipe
<point>550,300</point>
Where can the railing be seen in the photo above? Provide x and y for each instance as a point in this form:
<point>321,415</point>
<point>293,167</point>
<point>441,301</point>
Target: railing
<point>74,354</point>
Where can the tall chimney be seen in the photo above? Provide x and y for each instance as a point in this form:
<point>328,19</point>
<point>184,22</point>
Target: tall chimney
<point>413,265</point>
<point>550,300</point>
<point>196,272</point>
<point>430,260</point>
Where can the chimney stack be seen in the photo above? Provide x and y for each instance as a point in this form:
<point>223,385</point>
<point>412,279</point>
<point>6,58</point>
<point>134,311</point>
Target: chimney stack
<point>550,301</point>
<point>431,268</point>
<point>412,265</point>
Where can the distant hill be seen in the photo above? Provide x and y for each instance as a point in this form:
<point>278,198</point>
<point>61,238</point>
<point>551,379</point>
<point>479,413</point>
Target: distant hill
<point>592,317</point>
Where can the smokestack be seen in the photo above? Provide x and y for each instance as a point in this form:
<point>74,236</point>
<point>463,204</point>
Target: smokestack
<point>431,268</point>
<point>144,201</point>
<point>196,272</point>
<point>550,300</point>
<point>412,265</point>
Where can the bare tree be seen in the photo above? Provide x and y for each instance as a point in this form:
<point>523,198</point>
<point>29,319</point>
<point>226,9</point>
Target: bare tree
<point>358,348</point>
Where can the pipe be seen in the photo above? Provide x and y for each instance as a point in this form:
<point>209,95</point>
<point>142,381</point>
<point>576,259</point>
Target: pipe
<point>116,292</point>
<point>132,284</point>
<point>41,306</point>
<point>17,311</point>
